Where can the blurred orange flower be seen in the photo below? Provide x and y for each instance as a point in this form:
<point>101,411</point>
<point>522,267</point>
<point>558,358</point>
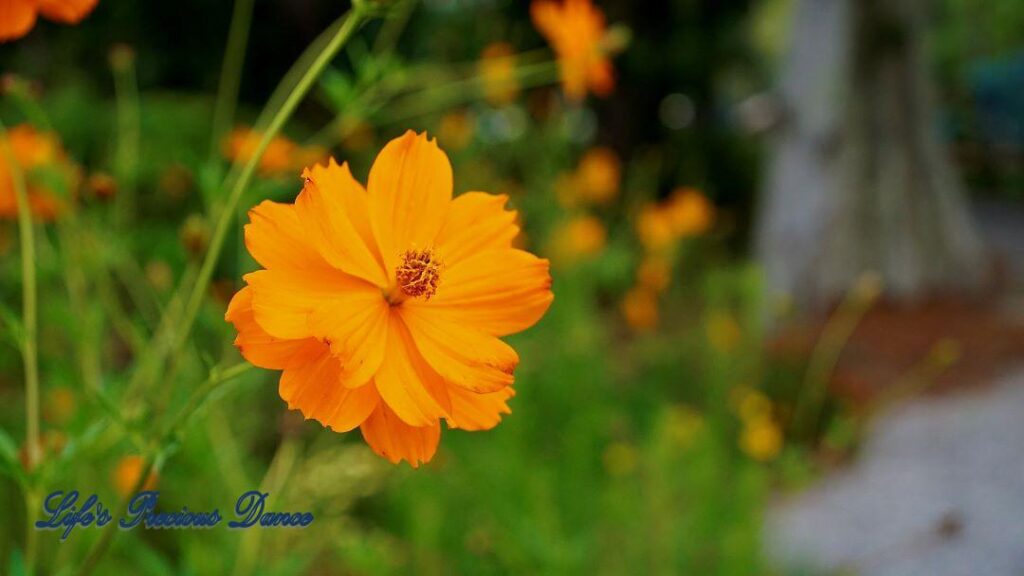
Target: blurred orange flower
<point>640,309</point>
<point>576,30</point>
<point>761,439</point>
<point>309,155</point>
<point>34,151</point>
<point>598,176</point>
<point>498,69</point>
<point>686,213</point>
<point>654,273</point>
<point>17,17</point>
<point>691,213</point>
<point>654,227</point>
<point>456,129</point>
<point>581,238</point>
<point>59,406</point>
<point>278,159</point>
<point>384,306</point>
<point>127,473</point>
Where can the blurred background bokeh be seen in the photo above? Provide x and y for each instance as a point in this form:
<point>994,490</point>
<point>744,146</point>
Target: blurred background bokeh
<point>788,261</point>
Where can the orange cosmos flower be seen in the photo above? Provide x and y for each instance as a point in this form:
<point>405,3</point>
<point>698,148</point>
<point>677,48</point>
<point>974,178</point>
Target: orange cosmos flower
<point>498,68</point>
<point>17,17</point>
<point>279,158</point>
<point>579,239</point>
<point>384,306</point>
<point>640,309</point>
<point>576,30</point>
<point>690,211</point>
<point>598,175</point>
<point>34,151</point>
<point>127,473</point>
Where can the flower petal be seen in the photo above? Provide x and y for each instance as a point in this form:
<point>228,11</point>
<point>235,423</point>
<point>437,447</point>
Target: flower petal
<point>410,189</point>
<point>477,221</point>
<point>16,18</point>
<point>498,292</point>
<point>262,349</point>
<point>547,17</point>
<point>472,411</point>
<point>463,356</point>
<point>67,11</point>
<point>333,208</point>
<point>416,394</point>
<point>395,440</point>
<point>314,388</point>
<point>357,332</point>
<point>277,238</point>
<point>285,300</point>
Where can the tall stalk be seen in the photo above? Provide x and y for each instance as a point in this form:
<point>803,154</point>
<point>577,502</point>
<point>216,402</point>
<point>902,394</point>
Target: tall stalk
<point>352,21</point>
<point>29,345</point>
<point>231,74</point>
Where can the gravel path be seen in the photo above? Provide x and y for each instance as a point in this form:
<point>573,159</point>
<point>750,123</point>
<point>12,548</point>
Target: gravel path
<point>937,491</point>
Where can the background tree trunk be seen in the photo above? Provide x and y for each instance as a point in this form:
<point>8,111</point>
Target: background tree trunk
<point>859,179</point>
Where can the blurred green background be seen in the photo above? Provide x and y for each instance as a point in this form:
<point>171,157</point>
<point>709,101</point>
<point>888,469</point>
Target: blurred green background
<point>659,404</point>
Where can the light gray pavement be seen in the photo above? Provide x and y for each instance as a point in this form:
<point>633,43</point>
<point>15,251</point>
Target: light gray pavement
<point>938,490</point>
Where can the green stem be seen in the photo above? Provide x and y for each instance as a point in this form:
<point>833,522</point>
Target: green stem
<point>281,466</point>
<point>156,453</point>
<point>29,326</point>
<point>826,353</point>
<point>432,100</point>
<point>202,392</point>
<point>352,22</point>
<point>231,74</point>
<point>428,100</point>
<point>126,93</point>
<point>107,537</point>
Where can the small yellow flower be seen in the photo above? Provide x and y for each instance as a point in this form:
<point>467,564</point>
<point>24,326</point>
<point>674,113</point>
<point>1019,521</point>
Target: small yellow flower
<point>654,227</point>
<point>654,273</point>
<point>690,212</point>
<point>598,175</point>
<point>640,309</point>
<point>456,129</point>
<point>761,439</point>
<point>620,458</point>
<point>279,158</point>
<point>59,406</point>
<point>127,473</point>
<point>596,179</point>
<point>750,404</point>
<point>581,238</point>
<point>34,152</point>
<point>498,69</point>
<point>576,30</point>
<point>723,331</point>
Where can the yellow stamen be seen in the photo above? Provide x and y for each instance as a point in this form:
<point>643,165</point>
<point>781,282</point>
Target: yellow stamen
<point>419,273</point>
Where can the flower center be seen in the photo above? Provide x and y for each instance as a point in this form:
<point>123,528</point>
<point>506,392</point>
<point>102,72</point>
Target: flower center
<point>419,273</point>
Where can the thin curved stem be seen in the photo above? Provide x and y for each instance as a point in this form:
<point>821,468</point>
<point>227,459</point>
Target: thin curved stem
<point>156,453</point>
<point>29,331</point>
<point>231,73</point>
<point>353,20</point>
